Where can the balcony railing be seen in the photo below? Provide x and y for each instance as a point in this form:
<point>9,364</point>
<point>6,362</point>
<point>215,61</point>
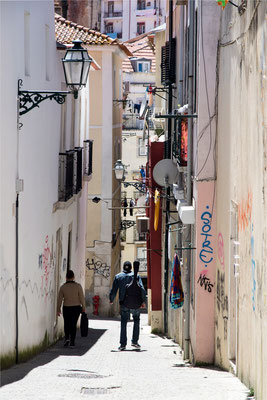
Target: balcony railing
<point>66,175</point>
<point>113,14</point>
<point>88,157</point>
<point>78,169</point>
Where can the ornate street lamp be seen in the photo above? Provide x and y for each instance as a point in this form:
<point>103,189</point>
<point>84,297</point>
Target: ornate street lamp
<point>119,170</point>
<point>76,65</point>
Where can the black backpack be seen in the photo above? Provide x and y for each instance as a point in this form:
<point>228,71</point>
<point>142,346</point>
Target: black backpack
<point>133,295</point>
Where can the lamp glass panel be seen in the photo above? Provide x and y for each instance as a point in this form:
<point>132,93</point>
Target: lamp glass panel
<point>86,68</point>
<point>119,172</point>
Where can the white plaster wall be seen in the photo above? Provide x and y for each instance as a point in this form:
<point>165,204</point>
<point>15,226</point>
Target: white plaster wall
<point>32,155</point>
<point>242,181</point>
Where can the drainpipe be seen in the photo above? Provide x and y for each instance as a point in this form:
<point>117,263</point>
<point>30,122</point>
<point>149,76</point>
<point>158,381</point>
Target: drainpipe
<point>168,155</point>
<point>17,244</point>
<point>189,170</point>
<point>181,60</point>
<point>17,279</point>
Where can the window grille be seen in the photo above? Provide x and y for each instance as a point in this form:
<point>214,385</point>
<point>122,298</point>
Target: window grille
<point>66,174</point>
<point>88,157</point>
<point>78,169</point>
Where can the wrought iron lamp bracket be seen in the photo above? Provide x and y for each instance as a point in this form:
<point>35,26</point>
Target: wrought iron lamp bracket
<point>137,185</point>
<point>126,223</point>
<point>29,99</point>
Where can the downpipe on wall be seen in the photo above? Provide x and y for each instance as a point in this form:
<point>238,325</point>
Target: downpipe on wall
<point>168,155</point>
<point>17,279</point>
<point>189,171</point>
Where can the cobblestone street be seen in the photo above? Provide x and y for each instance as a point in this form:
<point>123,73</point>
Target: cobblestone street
<point>96,368</point>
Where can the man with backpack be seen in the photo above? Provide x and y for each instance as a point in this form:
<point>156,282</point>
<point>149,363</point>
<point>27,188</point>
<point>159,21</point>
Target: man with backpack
<point>132,296</point>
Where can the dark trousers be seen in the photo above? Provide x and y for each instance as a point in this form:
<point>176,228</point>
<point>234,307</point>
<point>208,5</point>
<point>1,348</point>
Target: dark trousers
<point>71,315</point>
<point>125,316</point>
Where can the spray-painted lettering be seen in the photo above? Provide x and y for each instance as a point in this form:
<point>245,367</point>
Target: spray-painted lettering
<point>207,249</point>
<point>98,267</point>
<point>244,212</point>
<point>221,250</point>
<point>204,281</point>
<point>253,269</point>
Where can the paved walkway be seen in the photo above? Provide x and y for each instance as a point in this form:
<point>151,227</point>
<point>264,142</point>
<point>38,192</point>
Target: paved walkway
<point>95,368</point>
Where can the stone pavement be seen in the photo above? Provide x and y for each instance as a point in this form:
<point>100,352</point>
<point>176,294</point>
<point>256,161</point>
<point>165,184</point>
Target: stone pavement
<point>95,368</point>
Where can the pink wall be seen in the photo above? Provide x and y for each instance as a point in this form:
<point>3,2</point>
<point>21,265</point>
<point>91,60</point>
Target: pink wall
<point>202,328</point>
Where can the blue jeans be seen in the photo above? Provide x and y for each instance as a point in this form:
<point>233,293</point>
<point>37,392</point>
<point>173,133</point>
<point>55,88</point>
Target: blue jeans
<point>125,316</point>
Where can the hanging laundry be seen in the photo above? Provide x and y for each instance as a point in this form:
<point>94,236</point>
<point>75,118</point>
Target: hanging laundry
<point>143,174</point>
<point>176,290</point>
<point>132,204</point>
<point>156,211</point>
<point>125,205</point>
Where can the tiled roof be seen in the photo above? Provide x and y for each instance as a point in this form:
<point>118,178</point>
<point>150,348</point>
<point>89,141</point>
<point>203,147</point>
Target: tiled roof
<point>140,47</point>
<point>67,31</point>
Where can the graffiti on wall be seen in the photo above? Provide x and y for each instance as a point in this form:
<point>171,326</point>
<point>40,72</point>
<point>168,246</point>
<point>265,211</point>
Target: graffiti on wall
<point>253,269</point>
<point>205,282</point>
<point>222,300</point>
<point>221,250</point>
<point>98,267</point>
<point>206,252</point>
<point>244,212</point>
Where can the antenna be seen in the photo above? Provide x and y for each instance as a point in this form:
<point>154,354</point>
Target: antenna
<point>165,172</point>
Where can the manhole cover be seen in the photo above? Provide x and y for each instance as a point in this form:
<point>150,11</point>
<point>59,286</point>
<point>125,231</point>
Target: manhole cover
<point>82,376</point>
<point>100,390</point>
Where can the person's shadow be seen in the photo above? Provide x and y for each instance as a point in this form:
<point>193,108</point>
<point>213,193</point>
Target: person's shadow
<point>82,346</point>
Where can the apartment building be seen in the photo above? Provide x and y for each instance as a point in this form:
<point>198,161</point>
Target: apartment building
<point>126,19</point>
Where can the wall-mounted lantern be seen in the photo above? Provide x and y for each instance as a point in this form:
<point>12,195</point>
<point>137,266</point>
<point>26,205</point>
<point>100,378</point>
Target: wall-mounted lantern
<point>76,65</point>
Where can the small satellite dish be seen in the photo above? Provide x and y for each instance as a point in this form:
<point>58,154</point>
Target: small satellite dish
<point>165,172</point>
<point>143,108</point>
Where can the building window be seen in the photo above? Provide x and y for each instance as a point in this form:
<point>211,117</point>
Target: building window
<point>27,43</point>
<point>111,7</point>
<point>47,53</point>
<point>142,147</point>
<point>141,28</point>
<point>141,253</point>
<point>109,28</point>
<point>143,66</point>
<point>141,4</point>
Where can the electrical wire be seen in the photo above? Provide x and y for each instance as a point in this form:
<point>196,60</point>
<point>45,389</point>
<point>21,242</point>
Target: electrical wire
<point>206,88</point>
<point>245,32</point>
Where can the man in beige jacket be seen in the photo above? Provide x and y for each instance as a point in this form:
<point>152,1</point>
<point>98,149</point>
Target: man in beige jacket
<point>71,293</point>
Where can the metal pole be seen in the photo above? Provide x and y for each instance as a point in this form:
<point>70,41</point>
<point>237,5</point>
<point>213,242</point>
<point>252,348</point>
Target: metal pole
<point>168,155</point>
<point>189,183</point>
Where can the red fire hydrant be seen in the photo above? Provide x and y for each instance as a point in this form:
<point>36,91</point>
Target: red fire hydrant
<point>96,301</point>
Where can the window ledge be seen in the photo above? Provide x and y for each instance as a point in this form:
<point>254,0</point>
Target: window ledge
<point>87,178</point>
<point>64,205</point>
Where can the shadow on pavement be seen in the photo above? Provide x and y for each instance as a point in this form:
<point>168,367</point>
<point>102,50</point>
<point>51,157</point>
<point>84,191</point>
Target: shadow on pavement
<point>83,345</point>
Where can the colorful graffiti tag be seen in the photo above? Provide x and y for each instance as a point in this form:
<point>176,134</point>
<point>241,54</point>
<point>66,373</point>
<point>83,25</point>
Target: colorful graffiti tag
<point>253,269</point>
<point>221,250</point>
<point>206,252</point>
<point>244,212</point>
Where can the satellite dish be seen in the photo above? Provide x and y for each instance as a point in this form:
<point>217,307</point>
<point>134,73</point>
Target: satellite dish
<point>143,108</point>
<point>165,172</point>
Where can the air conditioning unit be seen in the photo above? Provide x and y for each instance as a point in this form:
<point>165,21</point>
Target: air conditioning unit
<point>142,224</point>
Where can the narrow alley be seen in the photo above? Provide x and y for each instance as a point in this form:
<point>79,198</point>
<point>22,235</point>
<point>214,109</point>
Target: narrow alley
<point>96,368</point>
